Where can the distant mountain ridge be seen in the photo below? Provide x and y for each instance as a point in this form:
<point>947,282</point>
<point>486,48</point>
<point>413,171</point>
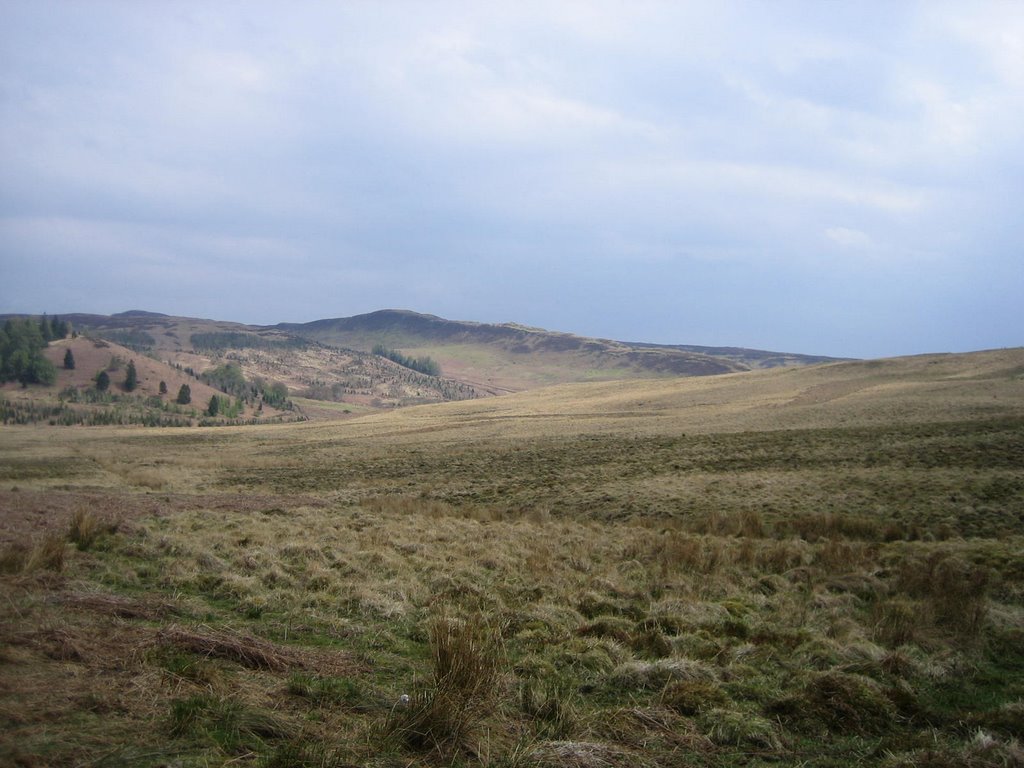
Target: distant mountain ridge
<point>412,327</point>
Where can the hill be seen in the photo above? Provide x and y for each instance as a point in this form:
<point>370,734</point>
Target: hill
<point>501,358</point>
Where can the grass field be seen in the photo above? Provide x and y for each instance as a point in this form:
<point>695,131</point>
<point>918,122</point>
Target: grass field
<point>813,567</point>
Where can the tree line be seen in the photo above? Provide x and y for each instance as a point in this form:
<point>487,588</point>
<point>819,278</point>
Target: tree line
<point>421,364</point>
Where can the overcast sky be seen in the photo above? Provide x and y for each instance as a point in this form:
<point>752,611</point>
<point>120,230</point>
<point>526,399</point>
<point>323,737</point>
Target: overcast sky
<point>841,178</point>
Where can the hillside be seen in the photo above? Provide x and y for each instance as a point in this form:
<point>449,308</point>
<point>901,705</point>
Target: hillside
<point>313,373</point>
<point>73,398</point>
<point>510,357</point>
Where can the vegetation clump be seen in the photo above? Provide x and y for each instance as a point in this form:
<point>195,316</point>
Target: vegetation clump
<point>424,365</point>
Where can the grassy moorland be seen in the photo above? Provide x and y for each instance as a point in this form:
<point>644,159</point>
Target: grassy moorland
<point>813,567</point>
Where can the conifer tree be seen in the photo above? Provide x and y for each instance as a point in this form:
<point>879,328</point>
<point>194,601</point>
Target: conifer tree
<point>184,395</point>
<point>102,381</point>
<point>131,379</point>
<point>69,360</point>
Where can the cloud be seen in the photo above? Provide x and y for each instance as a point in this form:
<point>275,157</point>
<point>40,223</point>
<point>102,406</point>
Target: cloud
<point>527,156</point>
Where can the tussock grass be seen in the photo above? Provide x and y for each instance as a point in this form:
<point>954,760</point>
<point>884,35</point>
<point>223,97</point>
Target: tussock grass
<point>443,715</point>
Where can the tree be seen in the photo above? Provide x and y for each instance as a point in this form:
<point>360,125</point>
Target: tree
<point>61,328</point>
<point>163,387</point>
<point>21,354</point>
<point>69,360</point>
<point>131,379</point>
<point>184,395</point>
<point>102,381</point>
<point>41,371</point>
<point>213,407</point>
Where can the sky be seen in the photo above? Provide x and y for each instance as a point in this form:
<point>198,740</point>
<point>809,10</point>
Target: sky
<point>839,178</point>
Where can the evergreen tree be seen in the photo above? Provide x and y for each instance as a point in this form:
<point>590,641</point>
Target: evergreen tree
<point>102,381</point>
<point>131,379</point>
<point>213,407</point>
<point>69,360</point>
<point>163,387</point>
<point>184,395</point>
<point>21,354</point>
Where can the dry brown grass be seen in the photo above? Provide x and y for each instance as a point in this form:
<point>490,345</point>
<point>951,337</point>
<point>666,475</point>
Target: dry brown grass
<point>564,578</point>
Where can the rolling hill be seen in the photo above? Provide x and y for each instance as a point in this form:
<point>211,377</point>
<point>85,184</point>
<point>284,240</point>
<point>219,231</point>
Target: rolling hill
<point>330,372</point>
